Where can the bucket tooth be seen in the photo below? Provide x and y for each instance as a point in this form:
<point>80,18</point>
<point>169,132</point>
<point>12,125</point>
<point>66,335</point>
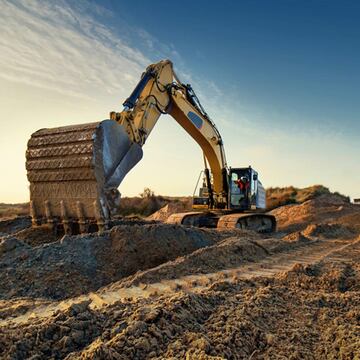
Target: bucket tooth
<point>100,221</point>
<point>34,219</point>
<point>49,219</point>
<point>64,218</point>
<point>82,222</point>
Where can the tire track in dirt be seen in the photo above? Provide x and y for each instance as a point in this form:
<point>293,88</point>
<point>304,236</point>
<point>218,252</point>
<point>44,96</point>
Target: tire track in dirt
<point>269,267</point>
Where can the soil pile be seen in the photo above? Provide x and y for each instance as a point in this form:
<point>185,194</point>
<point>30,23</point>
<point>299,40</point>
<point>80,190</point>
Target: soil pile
<point>277,196</point>
<point>167,210</point>
<point>149,203</point>
<point>225,254</point>
<point>10,226</point>
<point>329,231</point>
<point>323,209</point>
<point>41,266</point>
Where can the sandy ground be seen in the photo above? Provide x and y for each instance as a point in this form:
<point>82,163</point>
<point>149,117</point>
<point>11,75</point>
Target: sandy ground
<point>151,290</point>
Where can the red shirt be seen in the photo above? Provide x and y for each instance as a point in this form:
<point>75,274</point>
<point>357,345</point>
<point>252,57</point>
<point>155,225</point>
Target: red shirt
<point>242,186</point>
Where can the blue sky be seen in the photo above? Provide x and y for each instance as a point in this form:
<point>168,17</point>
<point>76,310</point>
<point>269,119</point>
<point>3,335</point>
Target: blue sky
<point>279,78</point>
<point>293,59</point>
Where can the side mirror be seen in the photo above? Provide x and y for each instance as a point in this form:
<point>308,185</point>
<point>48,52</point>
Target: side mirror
<point>255,177</point>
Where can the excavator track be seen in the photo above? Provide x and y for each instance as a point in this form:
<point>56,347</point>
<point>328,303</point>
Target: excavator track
<point>74,172</point>
<point>194,218</point>
<point>262,223</point>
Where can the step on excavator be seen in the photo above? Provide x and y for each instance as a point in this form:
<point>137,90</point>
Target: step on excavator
<point>75,171</point>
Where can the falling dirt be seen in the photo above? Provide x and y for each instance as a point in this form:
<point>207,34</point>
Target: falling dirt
<point>146,290</point>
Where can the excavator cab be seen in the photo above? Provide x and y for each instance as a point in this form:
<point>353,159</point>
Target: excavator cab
<point>245,190</point>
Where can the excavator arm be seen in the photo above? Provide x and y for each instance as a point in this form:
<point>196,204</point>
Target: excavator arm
<point>74,171</point>
<point>160,92</point>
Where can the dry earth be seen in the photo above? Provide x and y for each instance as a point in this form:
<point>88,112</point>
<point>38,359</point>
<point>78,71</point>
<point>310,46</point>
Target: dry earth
<point>149,290</point>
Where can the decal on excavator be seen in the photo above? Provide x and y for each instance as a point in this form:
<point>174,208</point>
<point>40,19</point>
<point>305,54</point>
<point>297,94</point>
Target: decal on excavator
<point>195,119</point>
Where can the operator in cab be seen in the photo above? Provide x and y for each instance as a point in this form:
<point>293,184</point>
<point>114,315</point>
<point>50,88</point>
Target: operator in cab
<point>243,184</point>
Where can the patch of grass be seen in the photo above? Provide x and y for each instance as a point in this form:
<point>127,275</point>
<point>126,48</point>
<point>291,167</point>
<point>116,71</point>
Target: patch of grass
<point>12,210</point>
<point>147,203</point>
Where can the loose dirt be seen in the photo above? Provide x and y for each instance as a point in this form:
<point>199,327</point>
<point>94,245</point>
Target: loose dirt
<point>77,264</point>
<point>151,290</point>
<point>167,210</point>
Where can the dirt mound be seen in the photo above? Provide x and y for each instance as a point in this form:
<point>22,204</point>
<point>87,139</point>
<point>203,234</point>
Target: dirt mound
<point>37,236</point>
<point>78,264</point>
<point>8,244</point>
<point>277,196</point>
<point>227,253</point>
<point>167,210</point>
<point>329,231</point>
<point>323,209</point>
<point>14,225</point>
<point>352,220</point>
<point>69,330</point>
<point>148,203</point>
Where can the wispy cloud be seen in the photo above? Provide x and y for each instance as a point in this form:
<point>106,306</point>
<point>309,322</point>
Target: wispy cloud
<point>70,48</point>
<point>54,46</point>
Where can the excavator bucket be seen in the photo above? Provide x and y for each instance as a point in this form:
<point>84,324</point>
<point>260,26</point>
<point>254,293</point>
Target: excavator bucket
<point>74,173</point>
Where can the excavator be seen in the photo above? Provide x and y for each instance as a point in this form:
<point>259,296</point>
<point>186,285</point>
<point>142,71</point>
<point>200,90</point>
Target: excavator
<point>75,171</point>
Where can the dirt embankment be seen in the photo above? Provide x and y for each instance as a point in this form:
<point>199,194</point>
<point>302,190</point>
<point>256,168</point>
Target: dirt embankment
<point>276,197</point>
<point>329,209</point>
<point>13,225</point>
<point>78,264</point>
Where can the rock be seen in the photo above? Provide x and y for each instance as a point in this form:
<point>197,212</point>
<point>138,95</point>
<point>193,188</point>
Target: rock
<point>152,315</point>
<point>77,336</point>
<point>143,344</point>
<point>119,328</point>
<point>9,243</point>
<point>270,338</point>
<point>136,328</point>
<point>79,308</point>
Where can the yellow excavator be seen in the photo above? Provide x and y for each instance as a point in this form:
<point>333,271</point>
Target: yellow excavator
<point>75,171</point>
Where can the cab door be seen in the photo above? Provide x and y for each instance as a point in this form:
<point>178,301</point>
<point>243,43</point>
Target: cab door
<point>235,194</point>
<point>239,199</point>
